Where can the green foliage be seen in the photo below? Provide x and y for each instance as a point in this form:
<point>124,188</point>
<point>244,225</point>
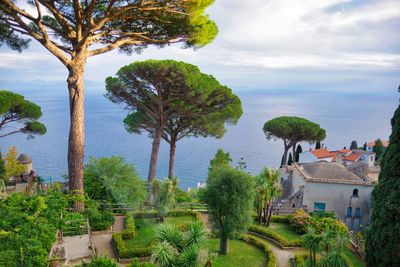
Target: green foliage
<point>268,232</point>
<point>9,37</point>
<point>163,196</point>
<point>130,228</point>
<point>14,108</point>
<point>182,196</point>
<point>113,180</point>
<point>271,258</point>
<point>299,149</point>
<point>13,168</point>
<point>229,195</point>
<point>136,263</point>
<point>99,219</point>
<point>379,149</point>
<point>2,168</point>
<point>129,252</point>
<point>383,239</point>
<point>100,262</point>
<point>353,145</point>
<point>220,160</point>
<point>290,160</point>
<point>28,227</point>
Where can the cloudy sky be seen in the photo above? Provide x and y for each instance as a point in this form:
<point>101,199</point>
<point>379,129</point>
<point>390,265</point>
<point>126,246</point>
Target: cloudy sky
<point>333,45</point>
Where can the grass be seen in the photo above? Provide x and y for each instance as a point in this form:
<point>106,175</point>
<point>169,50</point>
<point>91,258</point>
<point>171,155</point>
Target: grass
<point>178,221</point>
<point>240,254</point>
<point>144,233</point>
<point>355,261</point>
<point>284,230</point>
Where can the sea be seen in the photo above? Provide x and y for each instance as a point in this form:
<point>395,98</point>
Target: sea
<point>345,116</point>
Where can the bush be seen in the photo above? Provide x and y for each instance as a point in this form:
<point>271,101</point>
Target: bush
<point>299,221</point>
<point>129,231</point>
<point>145,214</point>
<point>124,252</point>
<point>182,196</point>
<point>271,258</point>
<point>181,213</point>
<point>99,220</point>
<point>100,262</point>
<point>137,263</point>
<point>280,218</point>
<point>74,224</point>
<point>262,230</point>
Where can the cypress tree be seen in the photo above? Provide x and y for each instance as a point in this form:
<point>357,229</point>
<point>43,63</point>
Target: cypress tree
<point>365,146</point>
<point>383,237</point>
<point>290,160</point>
<point>299,149</point>
<point>353,145</point>
<point>318,145</point>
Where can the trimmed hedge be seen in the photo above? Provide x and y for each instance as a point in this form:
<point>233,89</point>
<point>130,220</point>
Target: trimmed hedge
<point>280,218</point>
<point>130,229</point>
<point>181,213</point>
<point>262,230</point>
<point>145,214</point>
<point>124,252</point>
<point>271,258</point>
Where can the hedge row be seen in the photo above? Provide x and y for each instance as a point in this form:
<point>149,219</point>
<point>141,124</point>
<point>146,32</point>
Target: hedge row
<point>280,218</point>
<point>124,252</point>
<point>129,231</point>
<point>271,258</point>
<point>262,230</point>
<point>172,213</point>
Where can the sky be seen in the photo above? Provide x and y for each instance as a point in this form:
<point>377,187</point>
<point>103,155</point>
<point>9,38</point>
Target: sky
<point>331,45</point>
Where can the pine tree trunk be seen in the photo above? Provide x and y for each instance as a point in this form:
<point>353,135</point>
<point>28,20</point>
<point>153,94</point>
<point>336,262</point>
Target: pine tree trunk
<point>153,162</point>
<point>172,147</point>
<point>76,140</point>
<point>224,244</point>
<point>285,155</point>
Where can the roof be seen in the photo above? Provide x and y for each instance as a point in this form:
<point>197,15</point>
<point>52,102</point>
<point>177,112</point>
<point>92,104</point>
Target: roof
<point>372,143</point>
<point>321,153</point>
<point>333,155</point>
<point>329,172</point>
<point>345,151</point>
<point>352,157</point>
<point>24,159</point>
<point>363,152</point>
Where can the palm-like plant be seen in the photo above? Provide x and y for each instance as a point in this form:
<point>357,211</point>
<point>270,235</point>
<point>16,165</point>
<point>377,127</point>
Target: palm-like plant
<point>163,196</point>
<point>312,241</point>
<point>169,233</point>
<point>188,257</point>
<point>164,253</point>
<point>196,234</point>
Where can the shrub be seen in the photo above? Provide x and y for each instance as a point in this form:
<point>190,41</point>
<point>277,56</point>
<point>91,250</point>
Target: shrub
<point>131,252</point>
<point>145,214</point>
<point>271,258</point>
<point>262,230</point>
<point>180,213</point>
<point>100,262</point>
<point>280,218</point>
<point>182,196</point>
<point>99,220</point>
<point>136,263</point>
<point>74,224</point>
<point>129,231</point>
<point>300,221</point>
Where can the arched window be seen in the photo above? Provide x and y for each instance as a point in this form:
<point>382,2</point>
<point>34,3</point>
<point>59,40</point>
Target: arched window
<point>293,205</point>
<point>355,192</point>
<point>357,213</point>
<point>349,211</point>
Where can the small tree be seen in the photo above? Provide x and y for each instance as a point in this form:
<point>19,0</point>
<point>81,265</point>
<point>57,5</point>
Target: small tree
<point>353,145</point>
<point>229,195</point>
<point>299,150</point>
<point>383,239</point>
<point>290,160</point>
<point>365,146</point>
<point>113,180</point>
<point>163,196</point>
<point>13,167</point>
<point>15,109</point>
<point>312,241</point>
<point>293,130</point>
<point>220,160</point>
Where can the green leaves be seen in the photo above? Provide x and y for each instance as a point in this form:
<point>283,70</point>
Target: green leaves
<point>14,108</point>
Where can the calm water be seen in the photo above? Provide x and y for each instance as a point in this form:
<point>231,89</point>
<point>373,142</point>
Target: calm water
<point>345,116</point>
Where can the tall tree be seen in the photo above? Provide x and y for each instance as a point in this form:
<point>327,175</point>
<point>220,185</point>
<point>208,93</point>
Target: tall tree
<point>353,145</point>
<point>379,149</point>
<point>191,104</point>
<point>293,130</point>
<point>14,108</point>
<point>220,160</point>
<point>299,150</point>
<point>229,194</point>
<point>270,190</point>
<point>365,146</point>
<point>318,145</point>
<point>74,31</point>
<point>13,168</point>
<point>383,239</point>
<point>163,196</point>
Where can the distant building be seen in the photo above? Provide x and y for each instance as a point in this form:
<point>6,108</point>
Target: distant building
<point>314,155</point>
<point>329,186</point>
<point>366,156</point>
<point>26,160</point>
<point>370,145</point>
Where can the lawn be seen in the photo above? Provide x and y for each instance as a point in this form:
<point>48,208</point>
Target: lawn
<point>144,232</point>
<point>240,254</point>
<point>178,221</point>
<point>284,230</point>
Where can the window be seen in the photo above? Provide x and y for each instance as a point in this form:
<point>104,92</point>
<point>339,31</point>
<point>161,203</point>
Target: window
<point>355,192</point>
<point>319,206</point>
<point>349,211</point>
<point>357,213</point>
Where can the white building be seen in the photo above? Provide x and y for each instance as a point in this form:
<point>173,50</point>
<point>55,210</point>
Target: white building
<point>317,155</point>
<point>328,186</point>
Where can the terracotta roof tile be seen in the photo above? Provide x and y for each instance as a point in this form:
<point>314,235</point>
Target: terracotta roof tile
<point>321,153</point>
<point>352,157</point>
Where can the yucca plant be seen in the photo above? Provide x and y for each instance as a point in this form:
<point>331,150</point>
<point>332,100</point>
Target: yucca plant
<point>171,234</point>
<point>188,257</point>
<point>164,254</point>
<point>196,234</point>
